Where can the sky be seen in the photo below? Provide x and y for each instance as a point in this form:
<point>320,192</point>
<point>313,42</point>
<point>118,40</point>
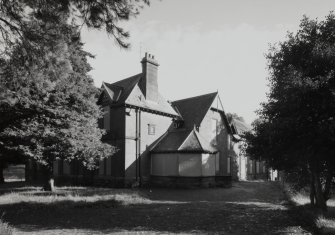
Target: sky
<point>204,46</point>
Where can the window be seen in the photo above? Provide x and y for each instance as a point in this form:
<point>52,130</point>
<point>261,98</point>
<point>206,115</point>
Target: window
<point>228,142</point>
<point>214,125</point>
<point>217,162</point>
<point>60,167</point>
<point>228,165</point>
<point>75,168</point>
<point>257,167</point>
<point>151,129</point>
<point>214,131</point>
<point>107,118</point>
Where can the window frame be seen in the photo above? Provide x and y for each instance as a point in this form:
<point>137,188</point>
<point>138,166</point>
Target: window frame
<point>151,129</point>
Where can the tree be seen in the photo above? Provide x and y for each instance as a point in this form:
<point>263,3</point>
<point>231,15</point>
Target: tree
<point>296,129</point>
<point>15,16</point>
<point>47,100</point>
<point>235,116</point>
<point>49,112</point>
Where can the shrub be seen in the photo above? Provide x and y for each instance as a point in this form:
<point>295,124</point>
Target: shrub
<point>5,229</point>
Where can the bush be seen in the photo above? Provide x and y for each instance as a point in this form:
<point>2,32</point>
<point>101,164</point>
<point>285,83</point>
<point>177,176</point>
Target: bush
<point>5,229</point>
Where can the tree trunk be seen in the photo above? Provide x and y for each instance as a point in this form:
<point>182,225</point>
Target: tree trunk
<point>320,201</point>
<point>312,191</point>
<point>328,184</point>
<point>49,180</point>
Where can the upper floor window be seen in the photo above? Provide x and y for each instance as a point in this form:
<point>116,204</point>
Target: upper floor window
<point>257,167</point>
<point>214,130</point>
<point>228,142</point>
<point>107,118</point>
<point>151,129</point>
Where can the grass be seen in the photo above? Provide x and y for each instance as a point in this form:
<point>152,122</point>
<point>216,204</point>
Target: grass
<point>73,195</point>
<point>246,208</point>
<point>324,223</point>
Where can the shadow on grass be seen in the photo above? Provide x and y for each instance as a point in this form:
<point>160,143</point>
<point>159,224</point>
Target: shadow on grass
<point>246,208</point>
<point>111,216</point>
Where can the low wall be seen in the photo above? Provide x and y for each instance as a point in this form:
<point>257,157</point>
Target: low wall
<point>260,176</point>
<point>100,181</point>
<point>155,181</point>
<point>190,182</point>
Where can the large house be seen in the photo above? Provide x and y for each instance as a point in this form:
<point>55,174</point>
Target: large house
<point>187,142</point>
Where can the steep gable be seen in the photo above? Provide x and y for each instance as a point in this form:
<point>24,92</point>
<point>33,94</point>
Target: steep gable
<point>127,91</point>
<point>194,109</point>
<point>122,89</point>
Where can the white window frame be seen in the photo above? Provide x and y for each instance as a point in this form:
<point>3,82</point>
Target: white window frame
<point>151,129</point>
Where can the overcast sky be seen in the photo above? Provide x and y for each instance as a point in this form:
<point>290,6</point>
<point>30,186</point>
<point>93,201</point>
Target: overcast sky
<point>205,45</point>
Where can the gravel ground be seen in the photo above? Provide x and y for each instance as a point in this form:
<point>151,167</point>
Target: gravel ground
<point>246,208</point>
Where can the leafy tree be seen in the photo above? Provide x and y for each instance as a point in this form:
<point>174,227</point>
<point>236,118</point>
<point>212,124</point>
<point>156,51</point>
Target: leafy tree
<point>235,116</point>
<point>47,100</point>
<point>15,16</point>
<point>49,112</point>
<point>296,129</point>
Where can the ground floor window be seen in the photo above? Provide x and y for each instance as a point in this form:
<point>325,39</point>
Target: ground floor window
<point>60,167</point>
<point>228,165</point>
<point>217,162</point>
<point>257,167</point>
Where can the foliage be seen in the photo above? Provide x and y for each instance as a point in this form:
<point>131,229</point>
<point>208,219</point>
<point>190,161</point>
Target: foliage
<point>47,99</point>
<point>296,129</point>
<point>232,116</point>
<point>5,229</point>
<point>49,112</point>
<point>16,15</point>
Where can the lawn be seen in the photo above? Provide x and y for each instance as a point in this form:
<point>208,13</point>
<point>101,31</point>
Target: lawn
<point>325,223</point>
<point>246,208</point>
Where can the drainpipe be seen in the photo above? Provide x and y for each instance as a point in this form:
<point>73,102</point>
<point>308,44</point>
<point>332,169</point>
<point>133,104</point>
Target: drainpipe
<point>136,143</point>
<point>139,147</point>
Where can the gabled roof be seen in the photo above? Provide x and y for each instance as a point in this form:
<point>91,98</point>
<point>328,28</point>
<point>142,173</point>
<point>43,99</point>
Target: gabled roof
<point>127,91</point>
<point>183,141</point>
<point>194,109</point>
<point>124,86</point>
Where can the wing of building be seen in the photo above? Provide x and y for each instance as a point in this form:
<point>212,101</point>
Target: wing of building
<point>247,168</point>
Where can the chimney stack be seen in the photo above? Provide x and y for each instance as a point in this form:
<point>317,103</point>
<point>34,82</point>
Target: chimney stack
<point>148,83</point>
